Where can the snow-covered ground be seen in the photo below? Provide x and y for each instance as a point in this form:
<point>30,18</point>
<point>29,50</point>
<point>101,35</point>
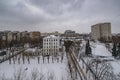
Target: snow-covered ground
<point>99,49</point>
<point>58,69</point>
<point>102,54</point>
<point>116,66</point>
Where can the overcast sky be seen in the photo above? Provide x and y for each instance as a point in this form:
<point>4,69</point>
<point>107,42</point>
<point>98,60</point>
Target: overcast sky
<point>58,15</point>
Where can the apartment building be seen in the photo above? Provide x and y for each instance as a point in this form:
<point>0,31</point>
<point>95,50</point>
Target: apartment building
<point>101,31</point>
<point>35,35</point>
<point>9,36</point>
<point>51,45</point>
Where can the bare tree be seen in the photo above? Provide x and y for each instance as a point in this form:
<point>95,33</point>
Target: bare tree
<point>69,72</point>
<point>38,59</point>
<point>23,58</point>
<point>41,76</point>
<point>9,60</point>
<point>50,76</point>
<point>48,58</point>
<point>18,60</point>
<point>52,59</point>
<point>2,77</point>
<point>14,60</point>
<point>37,75</point>
<point>43,58</point>
<point>62,57</point>
<point>101,70</point>
<point>20,74</point>
<point>34,74</point>
<point>57,58</point>
<point>28,59</point>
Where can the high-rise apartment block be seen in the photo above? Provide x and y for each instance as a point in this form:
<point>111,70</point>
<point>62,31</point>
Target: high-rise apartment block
<point>101,31</point>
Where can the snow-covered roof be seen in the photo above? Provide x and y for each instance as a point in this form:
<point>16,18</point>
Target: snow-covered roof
<point>51,36</point>
<point>30,50</point>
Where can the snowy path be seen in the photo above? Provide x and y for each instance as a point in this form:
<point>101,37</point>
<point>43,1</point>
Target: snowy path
<point>100,50</point>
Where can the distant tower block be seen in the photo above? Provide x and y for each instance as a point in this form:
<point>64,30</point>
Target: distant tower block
<point>101,31</point>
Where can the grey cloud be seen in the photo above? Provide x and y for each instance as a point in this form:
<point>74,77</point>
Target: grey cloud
<point>58,7</point>
<point>21,12</point>
<point>47,14</point>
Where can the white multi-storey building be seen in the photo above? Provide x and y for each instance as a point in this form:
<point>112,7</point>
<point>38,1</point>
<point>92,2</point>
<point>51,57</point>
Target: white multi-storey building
<point>51,45</point>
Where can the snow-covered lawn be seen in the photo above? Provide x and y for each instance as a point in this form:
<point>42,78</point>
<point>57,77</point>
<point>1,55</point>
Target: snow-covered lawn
<point>57,69</point>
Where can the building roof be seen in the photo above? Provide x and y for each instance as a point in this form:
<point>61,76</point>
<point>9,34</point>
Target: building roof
<point>101,23</point>
<point>51,36</point>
